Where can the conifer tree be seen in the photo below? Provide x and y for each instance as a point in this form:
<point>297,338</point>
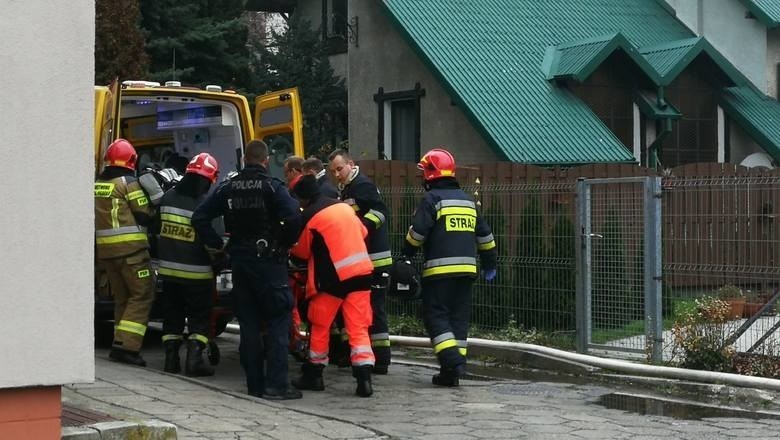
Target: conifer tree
<point>119,43</point>
<point>298,58</point>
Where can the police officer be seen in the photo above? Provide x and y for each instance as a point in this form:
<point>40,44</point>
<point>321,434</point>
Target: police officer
<point>263,221</point>
<point>449,228</point>
<point>185,268</point>
<point>360,193</point>
<point>122,249</point>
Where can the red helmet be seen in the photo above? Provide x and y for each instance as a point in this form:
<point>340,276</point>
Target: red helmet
<point>121,154</point>
<point>205,165</point>
<point>437,163</point>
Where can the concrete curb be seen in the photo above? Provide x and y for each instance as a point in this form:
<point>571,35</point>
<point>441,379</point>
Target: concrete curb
<point>121,430</point>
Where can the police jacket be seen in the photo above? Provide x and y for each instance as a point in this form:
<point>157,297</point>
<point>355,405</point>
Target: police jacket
<point>364,198</point>
<point>254,206</point>
<point>332,241</point>
<point>449,228</point>
<point>181,254</point>
<point>121,208</point>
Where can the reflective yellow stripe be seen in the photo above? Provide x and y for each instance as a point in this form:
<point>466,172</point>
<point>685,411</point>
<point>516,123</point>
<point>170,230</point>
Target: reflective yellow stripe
<point>175,218</point>
<point>356,207</point>
<point>455,268</point>
<point>487,246</point>
<point>131,327</point>
<point>199,337</point>
<point>374,219</point>
<point>444,345</point>
<point>383,262</point>
<point>184,274</point>
<point>137,194</point>
<point>103,189</point>
<point>456,210</point>
<point>412,241</point>
<point>462,351</point>
<point>114,213</point>
<point>166,338</point>
<point>381,343</point>
<point>122,238</point>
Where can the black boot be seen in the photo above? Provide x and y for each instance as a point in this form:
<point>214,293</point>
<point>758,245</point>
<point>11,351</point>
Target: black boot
<point>363,376</point>
<point>311,377</point>
<point>447,377</point>
<point>126,357</point>
<point>172,360</point>
<point>195,365</point>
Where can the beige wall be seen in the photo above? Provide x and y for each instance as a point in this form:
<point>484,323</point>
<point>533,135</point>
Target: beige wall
<point>46,121</point>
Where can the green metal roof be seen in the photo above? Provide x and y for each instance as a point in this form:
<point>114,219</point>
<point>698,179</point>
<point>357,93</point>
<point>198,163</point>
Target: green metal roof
<point>766,11</point>
<point>757,114</point>
<point>578,59</point>
<point>488,54</point>
<point>649,106</point>
<point>670,58</point>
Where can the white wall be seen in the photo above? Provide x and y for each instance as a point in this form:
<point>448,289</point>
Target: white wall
<point>772,62</point>
<point>46,229</point>
<point>741,40</point>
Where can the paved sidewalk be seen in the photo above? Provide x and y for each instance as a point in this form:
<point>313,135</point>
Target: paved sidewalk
<point>405,405</point>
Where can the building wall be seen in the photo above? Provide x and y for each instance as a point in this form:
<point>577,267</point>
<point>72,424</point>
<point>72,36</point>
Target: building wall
<point>773,62</point>
<point>741,144</point>
<point>724,25</point>
<point>46,138</point>
<point>384,59</point>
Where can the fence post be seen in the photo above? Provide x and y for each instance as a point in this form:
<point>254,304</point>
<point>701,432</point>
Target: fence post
<point>582,257</point>
<point>652,267</point>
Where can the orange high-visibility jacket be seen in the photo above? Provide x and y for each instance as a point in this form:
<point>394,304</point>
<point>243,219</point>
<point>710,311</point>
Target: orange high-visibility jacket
<point>333,242</point>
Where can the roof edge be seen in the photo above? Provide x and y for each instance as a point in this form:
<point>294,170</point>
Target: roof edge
<point>760,14</point>
<point>752,130</point>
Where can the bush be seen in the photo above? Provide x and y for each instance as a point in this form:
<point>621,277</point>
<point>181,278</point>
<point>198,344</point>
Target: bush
<point>699,335</point>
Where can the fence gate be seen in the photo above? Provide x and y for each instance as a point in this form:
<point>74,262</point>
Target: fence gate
<point>619,266</point>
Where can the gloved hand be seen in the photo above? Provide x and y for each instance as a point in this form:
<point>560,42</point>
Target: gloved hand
<point>490,274</point>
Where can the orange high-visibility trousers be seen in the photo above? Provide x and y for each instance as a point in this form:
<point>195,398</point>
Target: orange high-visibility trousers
<point>356,309</point>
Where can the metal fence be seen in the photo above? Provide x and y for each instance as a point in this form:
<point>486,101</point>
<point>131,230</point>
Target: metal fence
<point>718,230</point>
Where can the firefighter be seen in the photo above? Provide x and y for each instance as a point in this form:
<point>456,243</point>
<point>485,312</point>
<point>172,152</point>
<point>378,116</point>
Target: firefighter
<point>450,230</point>
<point>263,221</point>
<point>186,268</point>
<point>339,278</point>
<point>293,168</point>
<point>122,249</point>
<point>364,198</point>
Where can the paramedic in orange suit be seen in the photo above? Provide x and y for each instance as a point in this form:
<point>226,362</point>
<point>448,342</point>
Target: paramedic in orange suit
<point>339,278</point>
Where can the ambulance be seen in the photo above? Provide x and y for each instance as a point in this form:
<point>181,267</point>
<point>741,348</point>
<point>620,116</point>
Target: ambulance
<point>168,124</point>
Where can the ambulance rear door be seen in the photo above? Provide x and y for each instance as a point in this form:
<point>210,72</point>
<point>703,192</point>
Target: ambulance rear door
<point>106,120</point>
<point>278,122</point>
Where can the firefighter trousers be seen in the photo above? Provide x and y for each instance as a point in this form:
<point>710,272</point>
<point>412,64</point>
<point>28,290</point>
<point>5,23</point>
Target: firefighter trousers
<point>446,315</point>
<point>356,309</point>
<point>132,285</point>
<point>192,301</point>
<point>379,333</point>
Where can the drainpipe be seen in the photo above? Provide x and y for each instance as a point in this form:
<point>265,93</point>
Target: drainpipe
<point>663,128</point>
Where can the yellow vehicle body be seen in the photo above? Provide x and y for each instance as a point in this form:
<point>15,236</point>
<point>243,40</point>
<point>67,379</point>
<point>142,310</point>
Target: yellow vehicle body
<point>162,120</point>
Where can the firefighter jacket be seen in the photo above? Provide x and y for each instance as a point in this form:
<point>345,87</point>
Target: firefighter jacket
<point>449,228</point>
<point>332,241</point>
<point>121,208</point>
<point>364,198</point>
<point>255,206</point>
<point>182,257</point>
<point>326,188</point>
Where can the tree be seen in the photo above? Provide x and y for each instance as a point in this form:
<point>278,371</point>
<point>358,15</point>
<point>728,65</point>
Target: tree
<point>197,42</point>
<point>297,58</point>
<point>119,42</point>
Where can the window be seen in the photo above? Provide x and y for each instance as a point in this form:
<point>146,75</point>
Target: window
<point>334,25</point>
<point>399,124</point>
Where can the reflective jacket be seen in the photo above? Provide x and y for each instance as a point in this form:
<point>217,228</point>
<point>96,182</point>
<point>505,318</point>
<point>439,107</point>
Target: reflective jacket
<point>181,254</point>
<point>332,241</point>
<point>364,198</point>
<point>449,228</point>
<point>119,203</point>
